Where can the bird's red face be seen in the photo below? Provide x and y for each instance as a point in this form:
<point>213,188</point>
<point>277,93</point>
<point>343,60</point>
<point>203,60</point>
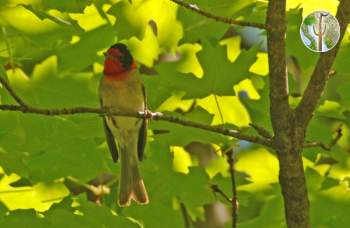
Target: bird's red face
<point>118,62</point>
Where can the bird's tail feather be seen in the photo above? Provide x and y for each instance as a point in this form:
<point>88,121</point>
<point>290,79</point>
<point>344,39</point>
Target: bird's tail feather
<point>131,183</point>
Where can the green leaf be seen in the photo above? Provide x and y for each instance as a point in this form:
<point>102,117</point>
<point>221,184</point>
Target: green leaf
<point>320,132</point>
<point>157,214</point>
<point>329,183</point>
<point>225,183</point>
<point>47,85</point>
<point>73,157</point>
<point>73,6</point>
<point>134,24</point>
<point>192,189</point>
<point>219,77</point>
<point>344,96</point>
<point>257,108</point>
<point>221,7</point>
<point>329,212</point>
<point>330,109</point>
<point>271,215</point>
<point>314,178</point>
<point>50,148</point>
<point>325,159</point>
<point>145,51</point>
<point>14,162</point>
<point>3,211</point>
<point>305,58</point>
<point>196,27</point>
<point>219,74</point>
<point>84,53</point>
<point>310,20</point>
<point>100,216</point>
<point>23,218</point>
<point>43,15</point>
<point>341,64</point>
<point>133,19</point>
<point>191,185</point>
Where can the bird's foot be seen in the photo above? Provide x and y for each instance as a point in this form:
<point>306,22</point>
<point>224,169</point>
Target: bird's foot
<point>150,115</point>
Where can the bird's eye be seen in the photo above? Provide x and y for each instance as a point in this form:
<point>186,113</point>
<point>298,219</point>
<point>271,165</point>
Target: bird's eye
<point>109,56</point>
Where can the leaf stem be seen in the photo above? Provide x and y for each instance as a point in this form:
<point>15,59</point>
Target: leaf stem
<point>216,189</point>
<point>219,109</point>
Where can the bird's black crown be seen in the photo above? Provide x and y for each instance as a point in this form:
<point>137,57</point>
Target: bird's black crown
<point>126,58</point>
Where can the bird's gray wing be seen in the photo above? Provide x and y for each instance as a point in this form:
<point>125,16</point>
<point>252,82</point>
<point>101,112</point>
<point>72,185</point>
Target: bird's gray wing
<point>110,139</point>
<point>143,130</point>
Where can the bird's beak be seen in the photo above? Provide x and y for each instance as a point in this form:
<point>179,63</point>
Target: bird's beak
<point>105,54</point>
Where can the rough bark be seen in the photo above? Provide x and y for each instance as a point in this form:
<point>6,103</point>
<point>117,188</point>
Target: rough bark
<point>292,177</point>
<point>288,139</point>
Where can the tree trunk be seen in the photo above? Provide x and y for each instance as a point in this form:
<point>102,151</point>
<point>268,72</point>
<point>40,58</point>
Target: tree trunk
<point>292,181</point>
<point>292,177</point>
<point>289,138</point>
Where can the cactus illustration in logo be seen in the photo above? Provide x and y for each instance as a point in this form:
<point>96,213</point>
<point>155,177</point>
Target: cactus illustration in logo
<point>320,31</point>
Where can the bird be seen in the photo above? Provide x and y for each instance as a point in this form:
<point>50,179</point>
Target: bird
<point>121,90</point>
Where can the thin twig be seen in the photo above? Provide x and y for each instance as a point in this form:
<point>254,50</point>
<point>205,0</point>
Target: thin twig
<point>261,131</point>
<point>91,188</point>
<point>187,221</point>
<point>155,116</point>
<point>226,20</point>
<point>327,147</point>
<point>219,109</point>
<point>12,92</point>
<point>234,202</point>
<point>2,79</point>
<point>216,189</point>
<point>98,191</point>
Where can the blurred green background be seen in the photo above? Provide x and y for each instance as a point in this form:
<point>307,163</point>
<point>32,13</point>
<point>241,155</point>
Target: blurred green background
<point>57,171</point>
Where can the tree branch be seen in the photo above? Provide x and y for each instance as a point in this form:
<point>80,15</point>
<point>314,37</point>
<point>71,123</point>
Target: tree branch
<point>327,147</point>
<point>321,73</point>
<point>95,192</point>
<point>226,20</point>
<point>155,116</point>
<point>24,108</point>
